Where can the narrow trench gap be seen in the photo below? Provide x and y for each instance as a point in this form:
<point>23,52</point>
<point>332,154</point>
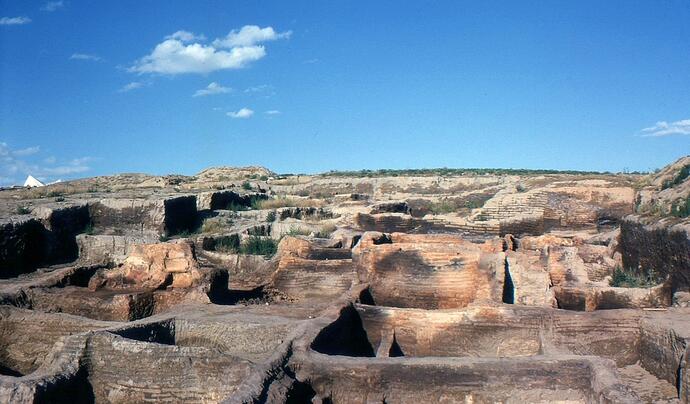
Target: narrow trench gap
<point>300,392</point>
<point>7,371</point>
<point>679,376</point>
<point>508,286</point>
<point>365,297</point>
<point>395,350</point>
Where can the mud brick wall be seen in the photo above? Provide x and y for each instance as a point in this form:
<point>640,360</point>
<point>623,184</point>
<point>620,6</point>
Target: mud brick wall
<point>303,278</point>
<point>26,337</point>
<point>125,370</point>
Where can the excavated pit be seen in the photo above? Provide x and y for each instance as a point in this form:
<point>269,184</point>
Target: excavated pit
<point>442,309</point>
<point>27,337</point>
<point>128,370</point>
<point>644,354</point>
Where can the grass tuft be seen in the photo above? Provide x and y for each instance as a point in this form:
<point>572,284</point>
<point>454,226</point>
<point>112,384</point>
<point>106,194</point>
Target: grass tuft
<point>627,278</point>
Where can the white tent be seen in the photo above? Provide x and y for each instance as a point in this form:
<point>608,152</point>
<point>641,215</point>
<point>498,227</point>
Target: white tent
<point>32,182</point>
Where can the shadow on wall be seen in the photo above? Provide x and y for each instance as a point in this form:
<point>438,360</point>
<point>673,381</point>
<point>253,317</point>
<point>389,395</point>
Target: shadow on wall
<point>27,245</point>
<point>220,294</point>
<point>345,336</point>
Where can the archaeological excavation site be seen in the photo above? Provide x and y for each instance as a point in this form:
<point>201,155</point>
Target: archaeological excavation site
<point>241,285</point>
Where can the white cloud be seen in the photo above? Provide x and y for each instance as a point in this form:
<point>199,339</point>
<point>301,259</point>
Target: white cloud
<point>184,52</point>
<point>130,86</point>
<point>173,57</point>
<point>85,56</point>
<point>14,20</point>
<point>27,151</point>
<point>272,112</point>
<point>311,61</point>
<point>52,6</point>
<point>250,35</point>
<point>259,89</point>
<point>663,128</point>
<point>16,164</point>
<point>211,89</point>
<point>243,113</point>
<point>186,36</point>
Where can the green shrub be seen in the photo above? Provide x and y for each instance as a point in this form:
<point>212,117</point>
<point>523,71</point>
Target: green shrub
<point>298,231</point>
<point>256,202</point>
<point>680,177</point>
<point>229,244</point>
<point>271,216</point>
<point>441,207</point>
<point>255,245</point>
<point>263,178</point>
<point>627,278</point>
<point>23,210</point>
<point>236,207</point>
<point>184,234</point>
<point>246,186</point>
<point>473,204</point>
<point>681,208</point>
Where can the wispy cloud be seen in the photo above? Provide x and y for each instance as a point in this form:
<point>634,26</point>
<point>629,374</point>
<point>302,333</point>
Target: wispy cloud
<point>311,61</point>
<point>131,86</point>
<point>250,35</point>
<point>212,89</point>
<point>185,52</point>
<point>262,88</point>
<point>14,20</point>
<point>27,151</point>
<point>243,113</point>
<point>85,56</point>
<point>16,164</point>
<point>52,6</point>
<point>663,128</point>
<point>272,112</point>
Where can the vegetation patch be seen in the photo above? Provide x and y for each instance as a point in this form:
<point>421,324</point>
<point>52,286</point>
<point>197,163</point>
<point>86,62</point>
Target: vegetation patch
<point>285,202</point>
<point>271,216</point>
<point>215,226</point>
<point>679,178</point>
<point>23,210</point>
<point>681,208</point>
<point>628,278</point>
<point>298,231</point>
<point>230,244</point>
<point>442,207</point>
<point>326,231</point>
<point>253,245</point>
<point>453,172</point>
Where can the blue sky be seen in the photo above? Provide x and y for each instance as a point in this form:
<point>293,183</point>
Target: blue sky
<point>92,88</point>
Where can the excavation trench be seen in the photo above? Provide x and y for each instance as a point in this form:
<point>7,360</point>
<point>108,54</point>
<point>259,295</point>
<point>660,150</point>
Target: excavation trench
<point>646,356</point>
